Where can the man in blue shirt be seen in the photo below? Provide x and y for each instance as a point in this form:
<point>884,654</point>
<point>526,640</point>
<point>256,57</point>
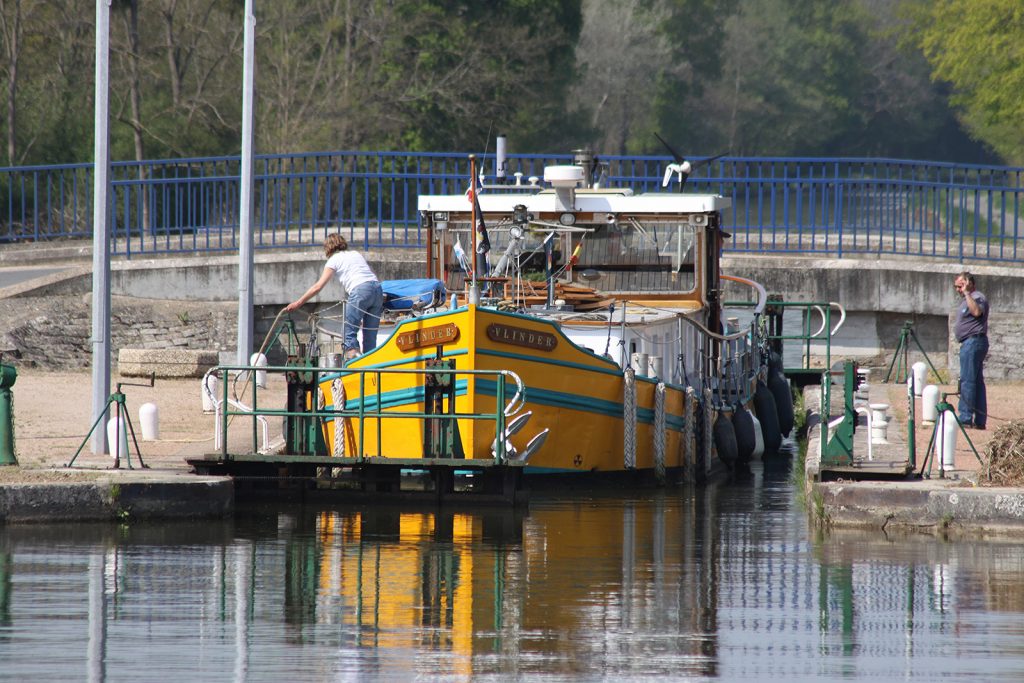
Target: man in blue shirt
<point>971,331</point>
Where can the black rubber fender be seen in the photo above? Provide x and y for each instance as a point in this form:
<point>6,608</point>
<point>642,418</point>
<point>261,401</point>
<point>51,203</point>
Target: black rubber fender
<point>746,441</point>
<point>775,363</point>
<point>783,396</point>
<point>768,415</point>
<point>725,440</point>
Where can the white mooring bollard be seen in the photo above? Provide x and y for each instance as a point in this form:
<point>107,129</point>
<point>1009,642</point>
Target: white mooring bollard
<point>920,372</point>
<point>945,441</point>
<point>929,404</point>
<point>149,419</point>
<point>117,447</point>
<point>879,422</point>
<point>259,360</point>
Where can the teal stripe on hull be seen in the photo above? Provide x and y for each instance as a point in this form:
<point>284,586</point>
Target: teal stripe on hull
<point>411,360</point>
<point>399,398</point>
<point>543,360</point>
<point>587,404</point>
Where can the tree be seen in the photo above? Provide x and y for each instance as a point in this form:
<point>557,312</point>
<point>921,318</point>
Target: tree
<point>643,64</point>
<point>410,74</point>
<point>17,18</point>
<point>175,78</point>
<point>792,75</point>
<point>978,47</point>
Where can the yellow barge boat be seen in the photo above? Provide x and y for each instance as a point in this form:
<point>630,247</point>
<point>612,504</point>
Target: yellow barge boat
<point>586,336</point>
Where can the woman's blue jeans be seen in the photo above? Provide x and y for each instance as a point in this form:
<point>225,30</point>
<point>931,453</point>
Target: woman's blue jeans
<point>973,407</point>
<point>364,308</point>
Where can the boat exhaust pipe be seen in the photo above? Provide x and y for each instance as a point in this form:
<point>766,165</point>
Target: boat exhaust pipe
<point>500,160</point>
<point>585,159</point>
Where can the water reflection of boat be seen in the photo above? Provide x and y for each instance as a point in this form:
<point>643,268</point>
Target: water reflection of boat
<point>628,379</point>
<point>702,582</point>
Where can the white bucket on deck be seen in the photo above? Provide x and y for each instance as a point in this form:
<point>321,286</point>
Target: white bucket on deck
<point>945,440</point>
<point>149,418</point>
<point>209,392</point>
<point>259,360</point>
<point>117,447</point>
<point>656,368</point>
<point>920,371</point>
<point>641,363</point>
<point>929,404</point>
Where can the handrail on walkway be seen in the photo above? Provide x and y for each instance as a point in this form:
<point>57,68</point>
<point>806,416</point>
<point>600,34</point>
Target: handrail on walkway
<point>834,207</point>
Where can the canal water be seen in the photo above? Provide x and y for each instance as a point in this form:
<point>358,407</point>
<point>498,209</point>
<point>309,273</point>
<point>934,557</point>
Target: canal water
<point>724,583</point>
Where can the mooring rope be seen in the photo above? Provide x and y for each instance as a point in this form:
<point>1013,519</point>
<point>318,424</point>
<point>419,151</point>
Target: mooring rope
<point>659,432</point>
<point>340,422</point>
<point>629,419</point>
<point>689,433</point>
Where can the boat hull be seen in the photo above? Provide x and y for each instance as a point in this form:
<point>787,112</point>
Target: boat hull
<point>583,400</point>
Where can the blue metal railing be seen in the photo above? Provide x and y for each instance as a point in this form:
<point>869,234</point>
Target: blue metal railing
<point>830,207</point>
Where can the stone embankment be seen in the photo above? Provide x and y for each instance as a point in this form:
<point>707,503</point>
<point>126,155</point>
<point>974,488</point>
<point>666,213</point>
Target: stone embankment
<point>53,332</point>
<point>111,495</point>
<point>956,501</point>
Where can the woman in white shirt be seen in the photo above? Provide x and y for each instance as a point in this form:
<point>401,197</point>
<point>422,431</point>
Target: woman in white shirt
<point>365,296</point>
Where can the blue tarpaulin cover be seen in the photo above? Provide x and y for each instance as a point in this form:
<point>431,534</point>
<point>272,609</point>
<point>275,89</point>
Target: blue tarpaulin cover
<point>404,295</point>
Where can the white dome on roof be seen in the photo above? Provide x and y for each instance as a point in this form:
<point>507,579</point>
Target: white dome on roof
<point>563,176</point>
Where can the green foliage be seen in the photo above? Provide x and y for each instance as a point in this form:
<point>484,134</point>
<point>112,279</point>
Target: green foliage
<point>792,75</point>
<point>759,77</point>
<point>800,414</point>
<point>978,47</point>
<point>415,75</point>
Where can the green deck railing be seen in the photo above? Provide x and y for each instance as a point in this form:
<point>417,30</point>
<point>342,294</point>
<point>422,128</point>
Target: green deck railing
<point>230,406</point>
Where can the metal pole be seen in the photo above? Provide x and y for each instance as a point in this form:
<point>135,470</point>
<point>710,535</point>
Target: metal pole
<point>472,189</point>
<point>549,272</point>
<point>245,238</point>
<point>911,425</point>
<point>474,288</point>
<point>101,228</point>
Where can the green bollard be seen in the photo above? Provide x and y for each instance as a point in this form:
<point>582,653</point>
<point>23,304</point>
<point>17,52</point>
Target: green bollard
<point>8,375</point>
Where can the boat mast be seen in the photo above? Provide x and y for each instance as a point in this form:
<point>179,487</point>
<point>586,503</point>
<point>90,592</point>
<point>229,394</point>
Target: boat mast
<point>474,289</point>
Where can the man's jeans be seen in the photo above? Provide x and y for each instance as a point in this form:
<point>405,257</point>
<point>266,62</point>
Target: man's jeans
<point>364,308</point>
<point>973,406</point>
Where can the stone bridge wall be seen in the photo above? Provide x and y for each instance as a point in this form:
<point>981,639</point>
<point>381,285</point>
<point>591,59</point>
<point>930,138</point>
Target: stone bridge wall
<point>190,303</point>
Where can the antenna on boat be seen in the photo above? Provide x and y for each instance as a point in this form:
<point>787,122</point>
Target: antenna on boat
<point>682,167</point>
<point>481,243</point>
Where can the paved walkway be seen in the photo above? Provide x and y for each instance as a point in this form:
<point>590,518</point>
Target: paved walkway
<point>894,451</point>
<point>871,494</point>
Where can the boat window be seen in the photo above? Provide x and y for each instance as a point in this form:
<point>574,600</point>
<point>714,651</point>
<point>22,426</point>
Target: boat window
<point>629,256</point>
